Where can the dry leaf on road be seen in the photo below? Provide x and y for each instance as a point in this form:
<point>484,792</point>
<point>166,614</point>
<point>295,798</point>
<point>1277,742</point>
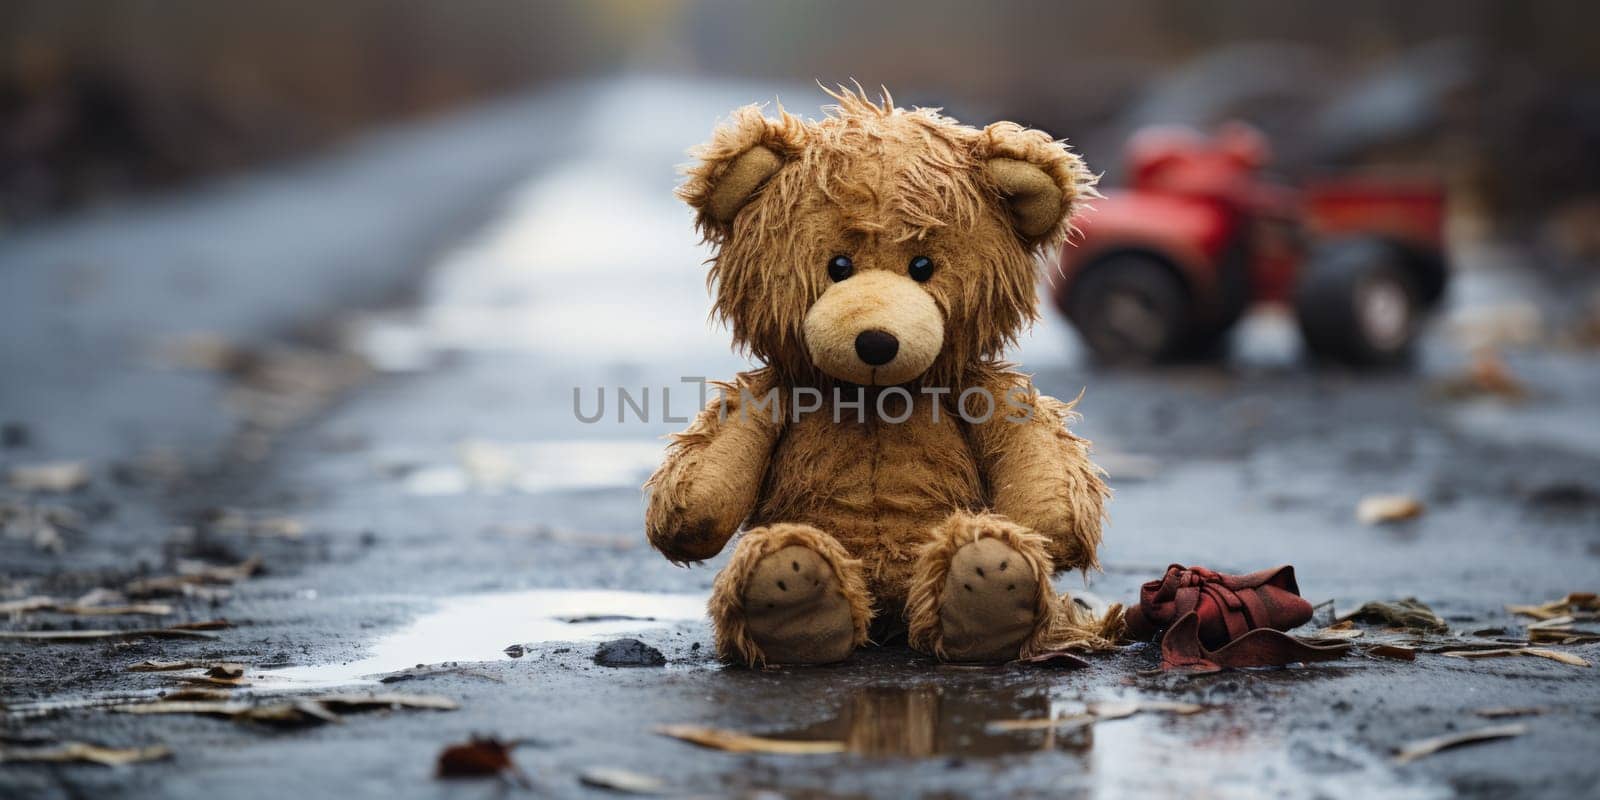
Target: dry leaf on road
<point>26,604</point>
<point>1408,613</point>
<point>191,575</point>
<point>621,780</point>
<point>1538,652</point>
<point>86,753</point>
<point>162,666</point>
<point>1427,747</point>
<point>1380,508</point>
<point>1573,605</point>
<point>367,702</point>
<point>226,671</point>
<point>57,476</point>
<point>735,742</point>
<point>1499,712</point>
<point>86,636</point>
<point>1054,659</point>
<point>1393,651</point>
<point>1486,376</point>
<point>292,711</point>
<point>479,758</point>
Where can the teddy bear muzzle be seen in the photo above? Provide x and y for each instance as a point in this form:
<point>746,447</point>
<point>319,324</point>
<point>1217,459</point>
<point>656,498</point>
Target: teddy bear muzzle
<point>875,328</point>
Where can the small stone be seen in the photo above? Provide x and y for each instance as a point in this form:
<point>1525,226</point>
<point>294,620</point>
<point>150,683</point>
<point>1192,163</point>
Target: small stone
<point>628,653</point>
<point>516,651</point>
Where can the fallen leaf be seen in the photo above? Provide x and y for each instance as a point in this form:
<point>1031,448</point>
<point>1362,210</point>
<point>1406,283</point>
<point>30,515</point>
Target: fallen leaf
<point>1381,508</point>
<point>1561,636</point>
<point>1393,651</point>
<point>86,753</point>
<point>1572,605</point>
<point>226,670</point>
<point>1427,747</point>
<point>735,742</point>
<point>365,702</point>
<point>193,575</point>
<point>208,680</point>
<point>1343,631</point>
<point>196,693</point>
<point>161,666</point>
<point>1408,613</point>
<point>1553,622</point>
<point>1539,652</point>
<point>141,609</point>
<point>42,525</point>
<point>292,711</point>
<point>478,758</point>
<point>83,636</point>
<point>1054,659</point>
<point>26,604</point>
<point>57,476</point>
<point>203,625</point>
<point>621,780</point>
<point>32,604</point>
<point>279,527</point>
<point>1499,712</point>
<point>1486,376</point>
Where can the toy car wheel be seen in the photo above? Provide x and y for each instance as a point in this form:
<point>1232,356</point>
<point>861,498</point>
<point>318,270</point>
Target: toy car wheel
<point>1130,310</point>
<point>1357,304</point>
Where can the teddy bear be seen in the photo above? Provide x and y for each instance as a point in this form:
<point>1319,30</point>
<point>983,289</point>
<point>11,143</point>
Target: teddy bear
<point>890,474</point>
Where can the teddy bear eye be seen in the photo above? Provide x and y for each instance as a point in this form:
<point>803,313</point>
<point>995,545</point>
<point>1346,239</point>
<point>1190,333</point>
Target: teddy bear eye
<point>841,267</point>
<point>921,269</point>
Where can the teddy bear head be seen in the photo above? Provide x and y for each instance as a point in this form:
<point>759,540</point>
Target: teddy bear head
<point>878,246</point>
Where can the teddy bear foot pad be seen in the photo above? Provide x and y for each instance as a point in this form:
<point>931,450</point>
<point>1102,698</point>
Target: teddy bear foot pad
<point>795,610</point>
<point>989,603</point>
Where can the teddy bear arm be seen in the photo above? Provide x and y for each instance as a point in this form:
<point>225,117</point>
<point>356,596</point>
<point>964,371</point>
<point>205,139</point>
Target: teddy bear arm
<point>707,485</point>
<point>1040,476</point>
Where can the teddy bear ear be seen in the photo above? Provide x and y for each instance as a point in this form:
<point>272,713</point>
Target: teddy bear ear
<point>1041,182</point>
<point>730,170</point>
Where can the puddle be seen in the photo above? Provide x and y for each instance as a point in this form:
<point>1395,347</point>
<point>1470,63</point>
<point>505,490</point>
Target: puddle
<point>933,720</point>
<point>542,466</point>
<point>1148,754</point>
<point>479,628</point>
<point>465,630</point>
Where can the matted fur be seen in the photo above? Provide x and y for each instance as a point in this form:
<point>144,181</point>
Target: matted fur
<point>1055,489</point>
<point>870,177</point>
<point>726,606</point>
<point>707,484</point>
<point>1078,628</point>
<point>1058,622</point>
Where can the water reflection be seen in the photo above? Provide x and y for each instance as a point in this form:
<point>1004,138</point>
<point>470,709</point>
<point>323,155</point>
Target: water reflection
<point>923,721</point>
<point>1210,754</point>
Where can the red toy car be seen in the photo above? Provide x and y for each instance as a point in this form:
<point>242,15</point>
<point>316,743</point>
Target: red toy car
<point>1166,266</point>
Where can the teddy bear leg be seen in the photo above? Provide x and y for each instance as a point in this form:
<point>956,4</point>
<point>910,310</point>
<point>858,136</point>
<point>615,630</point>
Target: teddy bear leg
<point>790,594</point>
<point>981,590</point>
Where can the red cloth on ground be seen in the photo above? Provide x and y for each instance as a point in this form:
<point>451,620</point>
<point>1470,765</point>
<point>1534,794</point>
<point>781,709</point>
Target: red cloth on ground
<point>1212,620</point>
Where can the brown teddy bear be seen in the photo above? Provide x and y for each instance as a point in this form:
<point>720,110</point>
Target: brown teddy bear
<point>886,466</point>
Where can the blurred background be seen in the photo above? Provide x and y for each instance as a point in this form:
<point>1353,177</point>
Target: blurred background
<point>103,98</point>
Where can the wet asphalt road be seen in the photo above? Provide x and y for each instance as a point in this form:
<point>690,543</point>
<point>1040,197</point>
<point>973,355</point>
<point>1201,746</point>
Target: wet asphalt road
<point>451,505</point>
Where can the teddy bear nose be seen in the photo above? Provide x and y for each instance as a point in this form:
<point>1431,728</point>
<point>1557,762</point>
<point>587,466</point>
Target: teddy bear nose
<point>876,347</point>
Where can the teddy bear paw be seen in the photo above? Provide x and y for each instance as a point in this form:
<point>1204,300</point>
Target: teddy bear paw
<point>990,603</point>
<point>795,610</point>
